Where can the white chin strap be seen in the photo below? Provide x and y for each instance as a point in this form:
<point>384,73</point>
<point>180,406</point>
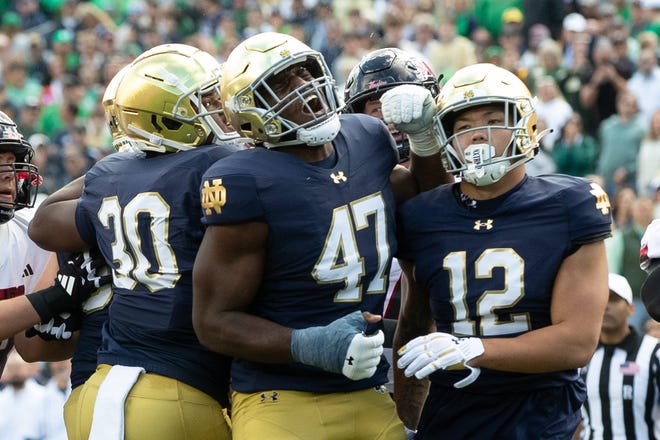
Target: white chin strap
<point>479,172</point>
<point>319,134</point>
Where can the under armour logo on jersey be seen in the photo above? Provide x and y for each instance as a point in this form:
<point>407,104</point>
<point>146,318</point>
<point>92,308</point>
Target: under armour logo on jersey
<point>602,201</point>
<point>273,396</point>
<point>28,271</point>
<point>214,196</point>
<point>488,224</point>
<point>381,389</point>
<point>339,177</point>
<point>349,360</point>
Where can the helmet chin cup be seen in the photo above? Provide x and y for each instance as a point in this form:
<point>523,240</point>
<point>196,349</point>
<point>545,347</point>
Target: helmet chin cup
<point>480,171</point>
<point>321,133</point>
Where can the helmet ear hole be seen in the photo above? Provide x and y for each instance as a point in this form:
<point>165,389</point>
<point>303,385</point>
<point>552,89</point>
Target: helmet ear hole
<point>171,124</point>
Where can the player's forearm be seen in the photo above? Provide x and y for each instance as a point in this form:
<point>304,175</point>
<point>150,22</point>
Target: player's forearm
<point>553,348</point>
<point>16,315</point>
<point>409,396</point>
<point>57,213</point>
<point>410,392</point>
<point>60,217</point>
<point>245,336</point>
<point>429,171</point>
<point>70,191</point>
<point>36,349</point>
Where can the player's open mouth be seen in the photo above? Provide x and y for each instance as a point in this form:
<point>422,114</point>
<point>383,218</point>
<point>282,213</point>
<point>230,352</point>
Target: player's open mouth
<point>314,104</point>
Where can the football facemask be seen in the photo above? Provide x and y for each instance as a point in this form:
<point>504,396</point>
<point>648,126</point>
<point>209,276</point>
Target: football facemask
<point>25,175</point>
<point>258,108</point>
<point>480,85</point>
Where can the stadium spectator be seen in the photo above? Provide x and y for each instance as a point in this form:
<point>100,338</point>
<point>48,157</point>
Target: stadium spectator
<point>648,159</point>
<point>620,137</point>
<point>575,151</point>
<point>645,84</point>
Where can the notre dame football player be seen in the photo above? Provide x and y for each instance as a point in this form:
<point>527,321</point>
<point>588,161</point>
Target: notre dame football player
<point>142,208</point>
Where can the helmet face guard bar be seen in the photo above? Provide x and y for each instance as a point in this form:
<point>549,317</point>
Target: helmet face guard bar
<point>271,107</point>
<point>27,180</point>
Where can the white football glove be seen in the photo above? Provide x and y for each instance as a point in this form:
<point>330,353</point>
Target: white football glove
<point>340,347</point>
<point>440,351</point>
<point>410,108</point>
<point>650,245</point>
<point>363,356</point>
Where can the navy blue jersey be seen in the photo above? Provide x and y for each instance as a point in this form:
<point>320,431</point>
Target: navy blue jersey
<point>331,238</point>
<point>490,268</point>
<point>145,216</point>
<point>84,360</point>
<point>94,314</point>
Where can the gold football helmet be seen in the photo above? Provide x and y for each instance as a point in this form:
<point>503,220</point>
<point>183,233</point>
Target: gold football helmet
<point>166,99</point>
<point>120,141</point>
<point>254,108</point>
<point>478,85</point>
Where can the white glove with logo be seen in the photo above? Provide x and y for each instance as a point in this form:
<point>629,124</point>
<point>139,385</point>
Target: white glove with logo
<point>410,108</point>
<point>340,347</point>
<point>363,356</point>
<point>440,351</point>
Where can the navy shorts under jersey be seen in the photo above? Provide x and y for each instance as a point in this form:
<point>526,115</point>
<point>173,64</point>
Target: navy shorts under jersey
<point>546,414</point>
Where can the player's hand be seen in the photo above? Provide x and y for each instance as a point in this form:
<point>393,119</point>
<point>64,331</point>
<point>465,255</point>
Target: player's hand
<point>410,108</point>
<point>60,327</point>
<point>80,276</point>
<point>76,280</point>
<point>340,347</point>
<point>650,245</point>
<point>440,351</point>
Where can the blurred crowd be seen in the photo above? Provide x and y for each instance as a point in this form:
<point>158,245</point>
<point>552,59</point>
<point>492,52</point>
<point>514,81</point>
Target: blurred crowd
<point>592,64</point>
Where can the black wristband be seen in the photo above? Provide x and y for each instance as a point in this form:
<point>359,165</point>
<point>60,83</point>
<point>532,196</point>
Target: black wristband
<point>51,301</point>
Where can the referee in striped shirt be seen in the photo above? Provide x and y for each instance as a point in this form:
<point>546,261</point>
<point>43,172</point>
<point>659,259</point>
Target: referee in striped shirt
<point>623,376</point>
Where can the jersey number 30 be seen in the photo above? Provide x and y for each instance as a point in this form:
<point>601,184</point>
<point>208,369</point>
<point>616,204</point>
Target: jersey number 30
<point>127,249</point>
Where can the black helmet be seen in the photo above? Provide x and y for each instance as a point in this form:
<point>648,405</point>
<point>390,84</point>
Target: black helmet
<point>25,174</point>
<point>382,69</point>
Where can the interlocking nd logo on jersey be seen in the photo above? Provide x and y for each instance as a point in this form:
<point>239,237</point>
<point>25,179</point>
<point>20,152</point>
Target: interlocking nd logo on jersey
<point>214,196</point>
<point>602,201</point>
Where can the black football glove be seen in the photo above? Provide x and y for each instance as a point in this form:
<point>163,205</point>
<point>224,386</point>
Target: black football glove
<point>61,327</point>
<point>76,280</point>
